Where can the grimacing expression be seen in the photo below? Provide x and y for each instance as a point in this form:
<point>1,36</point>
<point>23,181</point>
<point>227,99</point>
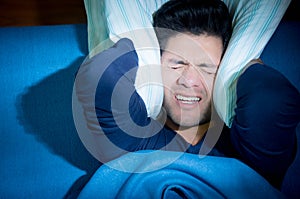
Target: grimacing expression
<point>189,66</point>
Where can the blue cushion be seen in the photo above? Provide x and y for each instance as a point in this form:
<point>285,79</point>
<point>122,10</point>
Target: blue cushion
<point>42,155</point>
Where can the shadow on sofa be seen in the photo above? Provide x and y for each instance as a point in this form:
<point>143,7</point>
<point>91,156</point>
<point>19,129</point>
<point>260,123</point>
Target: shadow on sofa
<point>51,121</point>
<point>45,111</point>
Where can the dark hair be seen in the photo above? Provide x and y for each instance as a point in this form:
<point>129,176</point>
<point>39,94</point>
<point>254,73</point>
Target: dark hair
<point>198,17</point>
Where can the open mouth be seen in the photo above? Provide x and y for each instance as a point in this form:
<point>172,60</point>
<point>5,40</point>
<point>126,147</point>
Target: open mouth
<point>187,100</point>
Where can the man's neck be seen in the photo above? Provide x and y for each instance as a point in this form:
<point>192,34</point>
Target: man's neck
<point>191,135</point>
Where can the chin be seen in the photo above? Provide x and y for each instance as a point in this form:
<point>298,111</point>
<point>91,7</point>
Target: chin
<point>193,123</point>
<point>184,122</point>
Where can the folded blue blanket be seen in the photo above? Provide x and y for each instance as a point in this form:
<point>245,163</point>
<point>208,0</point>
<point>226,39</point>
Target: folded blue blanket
<point>165,174</point>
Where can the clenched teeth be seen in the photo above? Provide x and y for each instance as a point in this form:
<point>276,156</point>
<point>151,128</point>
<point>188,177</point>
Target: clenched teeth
<point>188,99</point>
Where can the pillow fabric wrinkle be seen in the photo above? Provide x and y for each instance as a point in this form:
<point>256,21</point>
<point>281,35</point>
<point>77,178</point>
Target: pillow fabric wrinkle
<point>148,81</point>
<point>96,25</point>
<point>254,23</point>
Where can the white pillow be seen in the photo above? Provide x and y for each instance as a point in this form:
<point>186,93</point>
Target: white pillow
<point>254,22</point>
<point>131,19</point>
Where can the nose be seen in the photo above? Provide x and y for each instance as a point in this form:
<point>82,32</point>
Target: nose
<point>190,77</point>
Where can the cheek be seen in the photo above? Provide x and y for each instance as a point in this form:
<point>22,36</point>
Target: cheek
<point>210,79</point>
<point>207,82</point>
<point>169,77</point>
<point>206,78</point>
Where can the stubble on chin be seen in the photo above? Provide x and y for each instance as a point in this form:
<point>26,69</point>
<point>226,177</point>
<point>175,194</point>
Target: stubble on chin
<point>179,119</point>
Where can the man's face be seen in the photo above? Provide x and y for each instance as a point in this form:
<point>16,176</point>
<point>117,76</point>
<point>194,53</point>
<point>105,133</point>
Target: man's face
<point>189,65</point>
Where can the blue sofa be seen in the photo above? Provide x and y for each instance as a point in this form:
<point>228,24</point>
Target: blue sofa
<point>41,153</point>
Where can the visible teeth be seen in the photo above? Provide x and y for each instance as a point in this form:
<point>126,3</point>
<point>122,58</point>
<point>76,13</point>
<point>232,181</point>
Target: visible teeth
<point>188,99</point>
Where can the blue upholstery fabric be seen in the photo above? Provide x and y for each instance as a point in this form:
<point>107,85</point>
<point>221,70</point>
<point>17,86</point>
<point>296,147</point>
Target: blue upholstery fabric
<point>42,156</point>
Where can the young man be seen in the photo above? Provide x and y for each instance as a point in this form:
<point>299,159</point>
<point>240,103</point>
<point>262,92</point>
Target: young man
<point>193,35</point>
<point>192,41</point>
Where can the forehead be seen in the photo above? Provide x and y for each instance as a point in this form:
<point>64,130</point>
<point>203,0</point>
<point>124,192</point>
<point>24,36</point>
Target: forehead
<point>195,48</point>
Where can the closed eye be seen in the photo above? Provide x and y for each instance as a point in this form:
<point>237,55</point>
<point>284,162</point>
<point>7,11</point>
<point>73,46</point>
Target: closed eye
<point>208,68</point>
<point>178,64</point>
